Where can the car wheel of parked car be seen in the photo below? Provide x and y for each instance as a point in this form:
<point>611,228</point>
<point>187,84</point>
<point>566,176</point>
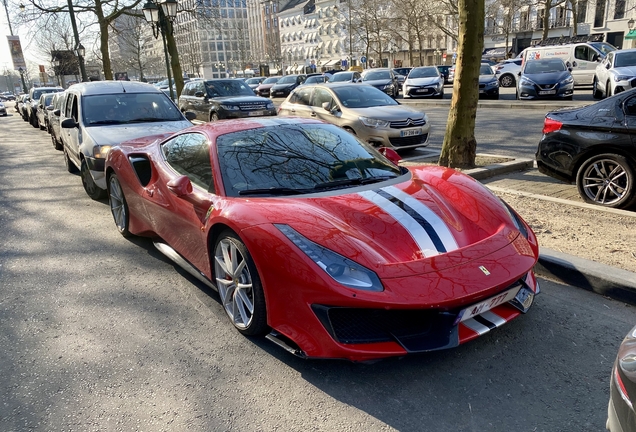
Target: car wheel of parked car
<point>42,127</point>
<point>507,81</point>
<point>441,95</point>
<point>214,117</point>
<point>608,89</point>
<point>70,166</point>
<point>607,180</point>
<point>596,93</point>
<point>118,205</point>
<point>56,144</point>
<point>92,190</point>
<point>239,285</point>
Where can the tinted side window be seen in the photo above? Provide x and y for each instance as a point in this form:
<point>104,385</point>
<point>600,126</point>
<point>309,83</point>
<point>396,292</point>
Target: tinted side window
<point>69,104</point>
<point>630,106</point>
<point>189,155</point>
<point>583,53</point>
<point>321,96</point>
<point>301,96</point>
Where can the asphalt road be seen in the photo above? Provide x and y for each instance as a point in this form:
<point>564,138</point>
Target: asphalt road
<point>103,333</point>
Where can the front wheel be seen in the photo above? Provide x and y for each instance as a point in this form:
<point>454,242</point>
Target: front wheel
<point>92,190</point>
<point>118,205</point>
<point>70,166</point>
<point>507,81</point>
<point>239,285</point>
<point>214,117</point>
<point>606,180</point>
<point>608,89</point>
<point>596,93</point>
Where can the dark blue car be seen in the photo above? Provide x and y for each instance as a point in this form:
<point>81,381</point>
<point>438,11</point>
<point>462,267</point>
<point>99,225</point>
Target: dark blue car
<point>545,79</point>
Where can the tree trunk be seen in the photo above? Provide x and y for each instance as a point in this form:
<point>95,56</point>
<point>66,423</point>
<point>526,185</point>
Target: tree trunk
<point>177,73</point>
<point>575,18</point>
<point>103,40</point>
<point>460,147</point>
<point>546,19</point>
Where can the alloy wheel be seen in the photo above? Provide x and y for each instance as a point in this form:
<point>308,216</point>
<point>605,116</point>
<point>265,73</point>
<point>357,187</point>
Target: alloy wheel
<point>118,205</point>
<point>605,182</point>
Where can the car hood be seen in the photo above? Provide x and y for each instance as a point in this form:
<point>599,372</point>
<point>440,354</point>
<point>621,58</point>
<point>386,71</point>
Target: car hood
<point>421,81</point>
<point>547,78</point>
<point>483,79</point>
<point>380,82</point>
<point>387,112</point>
<point>625,70</point>
<point>115,134</point>
<point>437,218</point>
<point>278,86</point>
<point>242,99</point>
<point>265,86</point>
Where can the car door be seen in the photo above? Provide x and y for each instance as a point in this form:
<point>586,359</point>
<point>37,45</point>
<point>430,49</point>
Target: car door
<point>321,96</point>
<point>71,135</point>
<point>180,218</point>
<point>299,102</point>
<point>583,71</point>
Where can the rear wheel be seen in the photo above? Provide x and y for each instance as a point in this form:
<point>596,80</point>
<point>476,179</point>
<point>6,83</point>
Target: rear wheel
<point>214,117</point>
<point>596,93</point>
<point>70,166</point>
<point>239,285</point>
<point>56,144</point>
<point>608,89</point>
<point>607,180</point>
<point>118,205</point>
<point>92,190</point>
<point>507,81</point>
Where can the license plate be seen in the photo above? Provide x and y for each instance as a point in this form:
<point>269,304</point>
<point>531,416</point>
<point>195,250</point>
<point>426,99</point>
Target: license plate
<point>488,304</point>
<point>547,92</point>
<point>421,91</point>
<point>410,132</point>
<point>278,93</point>
<point>255,113</point>
<point>482,91</point>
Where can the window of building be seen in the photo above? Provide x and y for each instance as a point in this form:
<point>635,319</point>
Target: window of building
<point>619,9</point>
<point>540,14</point>
<point>599,14</point>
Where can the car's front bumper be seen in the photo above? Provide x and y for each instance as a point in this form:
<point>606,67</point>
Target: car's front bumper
<point>224,114</point>
<point>557,91</point>
<point>96,168</point>
<point>422,91</point>
<point>623,85</point>
<point>397,138</point>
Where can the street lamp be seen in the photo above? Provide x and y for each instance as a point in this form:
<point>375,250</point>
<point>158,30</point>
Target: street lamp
<point>630,23</point>
<point>160,18</point>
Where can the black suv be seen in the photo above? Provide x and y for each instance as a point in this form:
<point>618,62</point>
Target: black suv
<point>223,98</point>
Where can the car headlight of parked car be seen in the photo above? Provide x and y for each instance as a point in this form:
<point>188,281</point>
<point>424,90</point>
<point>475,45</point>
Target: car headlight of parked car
<point>493,83</point>
<point>568,80</point>
<point>526,81</point>
<point>100,152</point>
<point>341,269</point>
<point>374,123</point>
<point>270,105</point>
<point>230,107</point>
<point>621,77</point>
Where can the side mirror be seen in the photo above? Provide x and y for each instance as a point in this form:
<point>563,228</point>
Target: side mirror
<point>569,69</point>
<point>574,64</point>
<point>68,123</point>
<point>390,154</point>
<point>57,112</point>
<point>596,58</point>
<point>198,94</point>
<point>607,66</point>
<point>180,186</point>
<point>568,64</point>
<point>190,115</point>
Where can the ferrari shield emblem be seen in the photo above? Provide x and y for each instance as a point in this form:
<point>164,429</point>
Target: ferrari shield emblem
<point>484,270</point>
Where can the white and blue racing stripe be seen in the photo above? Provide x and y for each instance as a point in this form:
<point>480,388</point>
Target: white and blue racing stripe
<point>427,229</point>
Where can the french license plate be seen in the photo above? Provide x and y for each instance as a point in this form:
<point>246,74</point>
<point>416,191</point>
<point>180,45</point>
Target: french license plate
<point>277,93</point>
<point>422,91</point>
<point>488,304</point>
<point>482,91</point>
<point>547,92</point>
<point>255,113</point>
<point>410,132</point>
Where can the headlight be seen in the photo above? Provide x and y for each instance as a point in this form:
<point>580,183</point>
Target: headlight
<point>493,83</point>
<point>568,80</point>
<point>270,105</point>
<point>374,123</point>
<point>341,269</point>
<point>526,81</point>
<point>230,107</point>
<point>100,152</point>
<point>621,77</point>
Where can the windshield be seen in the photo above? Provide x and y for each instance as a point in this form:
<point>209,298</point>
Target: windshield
<point>48,98</point>
<point>271,80</point>
<point>288,79</point>
<point>544,66</point>
<point>301,158</point>
<point>253,80</point>
<point>220,88</point>
<point>39,92</point>
<point>362,96</point>
<point>603,47</point>
<point>315,79</point>
<point>425,72</point>
<point>623,59</point>
<point>341,77</point>
<point>127,108</point>
<point>485,70</point>
<point>376,75</point>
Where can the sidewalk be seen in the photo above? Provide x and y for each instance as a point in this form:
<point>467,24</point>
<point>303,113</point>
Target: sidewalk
<point>519,177</point>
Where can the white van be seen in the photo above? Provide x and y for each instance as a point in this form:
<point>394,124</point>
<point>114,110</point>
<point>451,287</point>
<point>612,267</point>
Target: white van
<point>581,57</point>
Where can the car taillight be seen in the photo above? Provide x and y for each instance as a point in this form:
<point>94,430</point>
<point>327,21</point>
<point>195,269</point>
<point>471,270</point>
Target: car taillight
<point>551,125</point>
<point>622,390</point>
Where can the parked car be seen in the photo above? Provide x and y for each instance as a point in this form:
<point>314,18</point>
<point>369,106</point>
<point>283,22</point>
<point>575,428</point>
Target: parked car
<point>488,82</point>
<point>19,101</point>
<point>593,147</point>
<point>285,85</point>
<point>264,88</point>
<point>254,82</point>
<point>323,244</point>
<point>224,98</point>
<point>545,79</point>
<point>508,72</point>
<point>423,81</point>
<point>404,71</point>
<point>615,73</point>
<point>54,120</point>
<point>3,110</point>
<point>444,70</point>
<point>370,114</point>
<point>346,76</point>
<point>101,114</point>
<point>383,79</point>
<point>316,79</point>
<point>30,108</point>
<point>42,112</point>
<point>7,96</point>
<point>621,416</point>
<point>451,74</point>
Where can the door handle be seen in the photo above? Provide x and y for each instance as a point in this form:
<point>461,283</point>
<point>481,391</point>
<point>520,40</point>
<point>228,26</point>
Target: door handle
<point>313,114</point>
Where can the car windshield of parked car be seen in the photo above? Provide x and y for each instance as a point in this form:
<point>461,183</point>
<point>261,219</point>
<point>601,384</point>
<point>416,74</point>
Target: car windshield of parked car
<point>288,79</point>
<point>341,77</point>
<point>603,47</point>
<point>222,88</point>
<point>315,79</point>
<point>623,59</point>
<point>128,108</point>
<point>48,98</point>
<point>297,159</point>
<point>376,75</point>
<point>544,66</point>
<point>39,92</point>
<point>362,96</point>
<point>253,81</point>
<point>426,72</point>
<point>485,70</point>
<point>271,80</point>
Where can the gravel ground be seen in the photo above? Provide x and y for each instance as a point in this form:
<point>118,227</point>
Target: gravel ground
<point>599,236</point>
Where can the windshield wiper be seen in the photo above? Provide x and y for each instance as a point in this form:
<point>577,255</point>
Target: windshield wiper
<point>146,120</point>
<point>107,122</point>
<point>274,191</point>
<point>351,182</point>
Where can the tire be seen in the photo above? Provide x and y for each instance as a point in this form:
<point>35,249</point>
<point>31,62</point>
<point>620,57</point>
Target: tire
<point>239,285</point>
<point>596,93</point>
<point>41,127</point>
<point>34,122</point>
<point>56,143</point>
<point>608,89</point>
<point>606,180</point>
<point>70,166</point>
<point>118,206</point>
<point>92,190</point>
<point>214,117</point>
<point>507,81</point>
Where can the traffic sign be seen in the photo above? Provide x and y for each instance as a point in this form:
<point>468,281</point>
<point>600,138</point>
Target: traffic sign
<point>363,59</point>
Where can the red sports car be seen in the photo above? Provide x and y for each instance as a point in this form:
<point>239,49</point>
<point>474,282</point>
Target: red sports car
<point>322,243</point>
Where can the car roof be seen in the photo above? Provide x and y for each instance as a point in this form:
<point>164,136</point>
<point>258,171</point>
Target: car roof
<point>108,87</point>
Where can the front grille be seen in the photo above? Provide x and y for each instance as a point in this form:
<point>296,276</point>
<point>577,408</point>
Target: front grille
<point>401,124</point>
<point>547,86</point>
<point>408,141</point>
<point>253,106</point>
